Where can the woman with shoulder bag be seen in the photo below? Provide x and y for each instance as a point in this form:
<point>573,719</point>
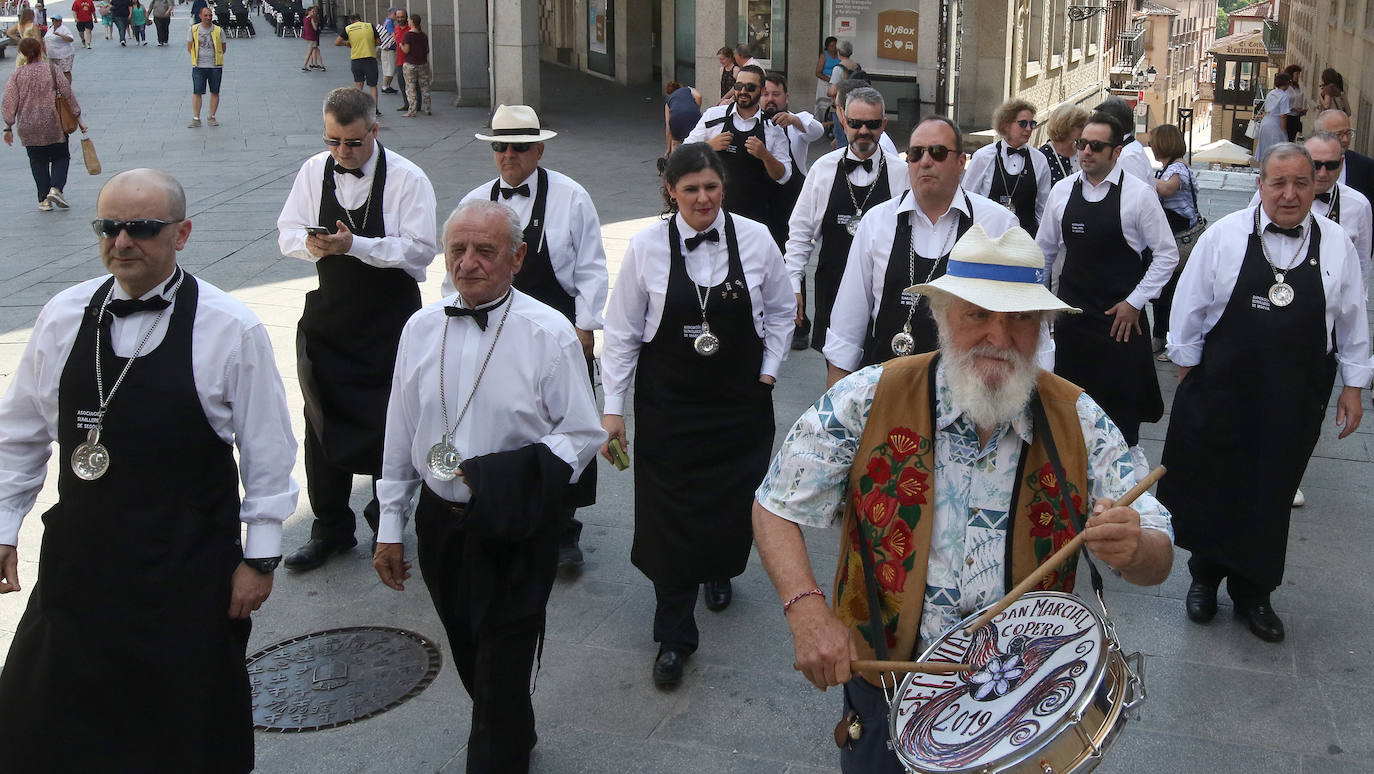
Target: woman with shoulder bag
<point>30,103</point>
<point>1177,189</point>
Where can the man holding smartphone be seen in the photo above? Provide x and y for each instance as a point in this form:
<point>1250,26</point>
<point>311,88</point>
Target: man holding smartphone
<point>377,210</point>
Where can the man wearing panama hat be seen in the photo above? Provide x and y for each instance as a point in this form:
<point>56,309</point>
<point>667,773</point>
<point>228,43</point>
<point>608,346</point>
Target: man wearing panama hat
<point>966,468</point>
<point>565,263</point>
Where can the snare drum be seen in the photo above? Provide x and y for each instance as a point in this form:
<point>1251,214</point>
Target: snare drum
<point>1047,693</point>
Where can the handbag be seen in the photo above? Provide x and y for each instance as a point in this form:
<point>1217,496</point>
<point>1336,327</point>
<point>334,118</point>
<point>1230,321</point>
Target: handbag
<point>65,116</point>
<point>88,155</point>
<point>1187,238</point>
<point>1252,129</point>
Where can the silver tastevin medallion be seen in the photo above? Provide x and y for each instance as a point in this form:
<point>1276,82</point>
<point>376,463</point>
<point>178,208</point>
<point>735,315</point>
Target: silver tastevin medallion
<point>902,343</point>
<point>1280,293</point>
<point>444,460</point>
<point>91,459</point>
<point>706,343</point>
<point>853,226</point>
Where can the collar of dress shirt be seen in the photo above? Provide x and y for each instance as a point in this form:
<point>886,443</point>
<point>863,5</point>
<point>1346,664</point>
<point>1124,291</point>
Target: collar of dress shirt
<point>1007,150</point>
<point>1113,176</point>
<point>532,181</point>
<point>160,289</point>
<point>959,204</point>
<point>368,166</point>
<point>946,412</point>
<point>685,230</point>
<point>457,300</point>
<point>1265,221</point>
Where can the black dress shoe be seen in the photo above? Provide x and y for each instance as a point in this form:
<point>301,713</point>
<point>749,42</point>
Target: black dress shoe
<point>1201,602</point>
<point>718,595</point>
<point>668,667</point>
<point>316,552</point>
<point>569,555</point>
<point>1264,622</point>
<point>800,339</point>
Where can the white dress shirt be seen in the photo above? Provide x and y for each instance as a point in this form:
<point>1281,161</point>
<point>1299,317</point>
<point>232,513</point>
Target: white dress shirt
<point>1142,222</point>
<point>236,380</point>
<point>535,390</point>
<point>772,135</point>
<point>1134,160</point>
<point>800,139</point>
<point>1357,219</point>
<point>1209,278</point>
<point>636,306</point>
<point>804,228</point>
<point>572,232</point>
<point>865,273</point>
<point>982,168</point>
<point>886,144</point>
<point>407,211</point>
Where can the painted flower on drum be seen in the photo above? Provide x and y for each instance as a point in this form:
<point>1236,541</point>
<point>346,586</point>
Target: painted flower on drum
<point>996,677</point>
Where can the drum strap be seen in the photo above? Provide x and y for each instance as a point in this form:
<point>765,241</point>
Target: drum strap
<point>1042,423</point>
<point>875,616</point>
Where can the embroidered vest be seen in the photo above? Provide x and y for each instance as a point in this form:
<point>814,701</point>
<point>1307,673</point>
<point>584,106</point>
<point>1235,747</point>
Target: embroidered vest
<point>892,496</point>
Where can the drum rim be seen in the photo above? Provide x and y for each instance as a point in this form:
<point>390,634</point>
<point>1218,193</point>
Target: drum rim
<point>1078,706</point>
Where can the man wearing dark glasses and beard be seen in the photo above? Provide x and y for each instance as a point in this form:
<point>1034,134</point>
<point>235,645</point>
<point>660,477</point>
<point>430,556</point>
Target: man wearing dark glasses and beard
<point>902,242</point>
<point>148,379</point>
<point>364,215</point>
<point>565,262</point>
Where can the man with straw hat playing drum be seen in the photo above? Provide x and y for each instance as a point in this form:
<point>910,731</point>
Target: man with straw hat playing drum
<point>923,460</point>
<point>565,263</point>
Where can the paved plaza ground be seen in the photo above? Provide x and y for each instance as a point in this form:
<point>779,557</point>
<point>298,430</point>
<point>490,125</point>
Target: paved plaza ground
<point>1219,701</point>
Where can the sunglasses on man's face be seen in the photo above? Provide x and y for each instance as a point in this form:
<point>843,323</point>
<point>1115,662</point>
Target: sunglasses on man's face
<point>518,147</point>
<point>334,142</point>
<point>1329,165</point>
<point>143,228</point>
<point>937,153</point>
<point>748,88</point>
<point>1097,146</point>
<point>1025,124</point>
<point>872,125</point>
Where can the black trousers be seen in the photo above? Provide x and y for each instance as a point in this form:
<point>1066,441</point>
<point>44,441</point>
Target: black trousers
<point>401,86</point>
<point>870,754</point>
<point>49,164</point>
<point>329,489</point>
<point>1243,591</point>
<point>163,29</point>
<point>675,623</point>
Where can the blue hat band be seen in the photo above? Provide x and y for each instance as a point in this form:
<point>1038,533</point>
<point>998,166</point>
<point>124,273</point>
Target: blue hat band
<point>992,271</point>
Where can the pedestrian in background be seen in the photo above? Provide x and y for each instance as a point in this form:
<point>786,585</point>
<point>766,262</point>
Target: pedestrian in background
<point>84,11</point>
<point>1292,120</point>
<point>206,44</point>
<point>1063,128</point>
<point>386,48</point>
<point>30,104</point>
<point>1271,131</point>
<point>59,43</point>
<point>681,112</point>
<point>1331,92</point>
<point>310,30</point>
<point>416,71</point>
<point>361,40</point>
<point>26,27</point>
<point>138,15</point>
<point>1177,189</point>
<point>402,23</point>
<point>121,10</point>
<point>106,17</point>
<point>161,11</point>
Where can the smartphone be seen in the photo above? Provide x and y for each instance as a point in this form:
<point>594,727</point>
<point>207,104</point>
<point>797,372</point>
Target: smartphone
<point>316,230</point>
<point>619,458</point>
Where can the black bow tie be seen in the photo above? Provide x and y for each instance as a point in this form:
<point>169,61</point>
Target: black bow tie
<point>705,236</point>
<point>1326,197</point>
<point>852,164</point>
<point>358,173</point>
<point>1022,151</point>
<point>1295,232</point>
<point>523,189</point>
<point>123,307</point>
<point>478,316</point>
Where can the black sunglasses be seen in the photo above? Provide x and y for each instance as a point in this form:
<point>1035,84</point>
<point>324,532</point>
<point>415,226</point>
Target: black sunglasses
<point>1331,165</point>
<point>937,153</point>
<point>142,228</point>
<point>1097,145</point>
<point>518,147</point>
<point>334,143</point>
<point>749,88</point>
<point>1027,124</point>
<point>872,124</point>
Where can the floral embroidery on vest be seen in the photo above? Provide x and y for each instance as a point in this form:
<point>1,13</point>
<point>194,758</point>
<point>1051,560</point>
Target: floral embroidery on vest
<point>1052,525</point>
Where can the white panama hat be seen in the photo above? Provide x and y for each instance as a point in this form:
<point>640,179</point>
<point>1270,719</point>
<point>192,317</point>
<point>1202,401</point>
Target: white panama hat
<point>1006,274</point>
<point>516,123</point>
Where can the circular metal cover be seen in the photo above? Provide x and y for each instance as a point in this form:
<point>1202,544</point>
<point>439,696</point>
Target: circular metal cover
<point>335,677</point>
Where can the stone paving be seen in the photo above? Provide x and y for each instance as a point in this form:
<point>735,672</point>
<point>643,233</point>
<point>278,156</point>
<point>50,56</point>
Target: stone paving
<point>1219,699</point>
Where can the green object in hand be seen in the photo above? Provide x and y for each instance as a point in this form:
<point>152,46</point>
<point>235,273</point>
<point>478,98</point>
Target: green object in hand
<point>619,458</point>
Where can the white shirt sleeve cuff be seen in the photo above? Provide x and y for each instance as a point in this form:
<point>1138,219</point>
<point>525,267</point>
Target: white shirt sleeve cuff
<point>1355,374</point>
<point>842,354</point>
<point>263,540</point>
<point>614,404</point>
<point>1137,299</point>
<point>390,527</point>
<point>1185,355</point>
<point>362,246</point>
<point>9,527</point>
<point>771,365</point>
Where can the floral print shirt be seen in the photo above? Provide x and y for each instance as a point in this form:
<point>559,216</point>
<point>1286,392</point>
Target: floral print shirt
<point>807,480</point>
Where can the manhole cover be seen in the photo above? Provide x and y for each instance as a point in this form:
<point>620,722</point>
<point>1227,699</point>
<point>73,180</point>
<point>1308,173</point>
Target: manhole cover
<point>332,678</point>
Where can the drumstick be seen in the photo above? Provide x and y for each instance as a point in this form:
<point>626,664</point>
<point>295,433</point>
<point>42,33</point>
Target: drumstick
<point>929,667</point>
<point>1069,549</point>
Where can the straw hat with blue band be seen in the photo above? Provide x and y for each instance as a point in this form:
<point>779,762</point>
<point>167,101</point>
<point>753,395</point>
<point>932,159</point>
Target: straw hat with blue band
<point>1006,274</point>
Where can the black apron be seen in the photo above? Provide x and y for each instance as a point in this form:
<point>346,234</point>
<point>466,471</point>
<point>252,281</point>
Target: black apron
<point>348,334</point>
<point>1100,270</point>
<point>1246,419</point>
<point>895,303</point>
<point>126,659</point>
<point>836,239</point>
<point>1018,191</point>
<point>749,191</point>
<point>537,279</point>
<point>785,199</point>
<point>704,429</point>
<point>1334,213</point>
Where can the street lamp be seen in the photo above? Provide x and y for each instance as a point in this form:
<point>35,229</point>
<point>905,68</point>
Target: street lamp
<point>1150,75</point>
<point>1185,123</point>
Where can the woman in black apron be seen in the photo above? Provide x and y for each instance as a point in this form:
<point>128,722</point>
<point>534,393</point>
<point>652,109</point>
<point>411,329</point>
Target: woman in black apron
<point>703,409</point>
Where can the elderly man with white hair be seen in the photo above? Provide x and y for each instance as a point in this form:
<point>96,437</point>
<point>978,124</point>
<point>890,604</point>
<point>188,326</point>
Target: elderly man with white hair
<point>491,419</point>
<point>955,463</point>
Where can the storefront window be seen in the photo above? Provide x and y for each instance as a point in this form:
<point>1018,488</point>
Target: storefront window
<point>763,26</point>
<point>685,41</point>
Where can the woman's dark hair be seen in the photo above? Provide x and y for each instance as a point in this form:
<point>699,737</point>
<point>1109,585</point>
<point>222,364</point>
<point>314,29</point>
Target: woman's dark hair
<point>1330,76</point>
<point>688,158</point>
<point>31,49</point>
<point>414,17</point>
<point>825,47</point>
<point>1168,143</point>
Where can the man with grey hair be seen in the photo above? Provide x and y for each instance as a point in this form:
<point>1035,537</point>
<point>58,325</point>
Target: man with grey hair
<point>920,462</point>
<point>843,185</point>
<point>491,443</point>
<point>147,378</point>
<point>1269,307</point>
<point>364,215</point>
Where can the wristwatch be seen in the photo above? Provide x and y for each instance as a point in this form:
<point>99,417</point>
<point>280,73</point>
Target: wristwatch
<point>264,565</point>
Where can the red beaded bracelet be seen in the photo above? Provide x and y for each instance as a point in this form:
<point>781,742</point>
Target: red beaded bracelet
<point>786,606</point>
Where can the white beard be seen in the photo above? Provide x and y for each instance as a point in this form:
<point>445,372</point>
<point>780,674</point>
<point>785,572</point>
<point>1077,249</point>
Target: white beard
<point>986,405</point>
